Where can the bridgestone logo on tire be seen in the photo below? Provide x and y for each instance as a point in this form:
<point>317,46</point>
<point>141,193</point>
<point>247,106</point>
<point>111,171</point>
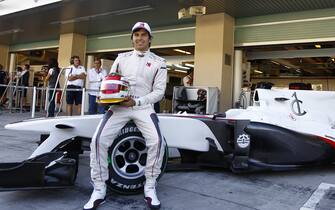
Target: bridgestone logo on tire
<point>124,186</point>
<point>243,141</point>
<point>128,130</point>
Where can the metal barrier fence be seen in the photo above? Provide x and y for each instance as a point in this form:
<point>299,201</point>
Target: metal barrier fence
<point>13,97</point>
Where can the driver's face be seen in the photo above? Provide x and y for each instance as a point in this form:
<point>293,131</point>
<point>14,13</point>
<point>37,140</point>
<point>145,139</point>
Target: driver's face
<point>141,40</point>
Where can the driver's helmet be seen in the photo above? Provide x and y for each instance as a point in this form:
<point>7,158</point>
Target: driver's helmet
<point>114,89</point>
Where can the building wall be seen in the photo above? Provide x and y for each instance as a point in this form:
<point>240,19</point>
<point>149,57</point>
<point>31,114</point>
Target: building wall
<point>34,46</point>
<point>328,84</point>
<point>4,56</point>
<point>214,55</point>
<point>162,37</point>
<point>285,28</point>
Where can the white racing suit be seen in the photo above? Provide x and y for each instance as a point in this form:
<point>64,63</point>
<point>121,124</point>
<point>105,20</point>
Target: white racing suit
<point>147,75</point>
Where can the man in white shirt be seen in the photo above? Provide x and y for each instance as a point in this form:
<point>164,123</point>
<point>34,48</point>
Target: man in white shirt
<point>95,76</point>
<point>147,74</point>
<point>75,80</point>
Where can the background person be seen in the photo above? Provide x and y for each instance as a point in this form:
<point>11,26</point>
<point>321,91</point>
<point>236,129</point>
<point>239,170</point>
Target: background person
<point>95,76</point>
<point>51,78</point>
<point>188,79</point>
<point>17,75</point>
<point>75,80</point>
<point>24,81</point>
<point>3,81</point>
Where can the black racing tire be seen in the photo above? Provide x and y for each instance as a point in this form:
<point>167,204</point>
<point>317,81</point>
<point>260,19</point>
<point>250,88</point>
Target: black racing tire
<point>126,161</point>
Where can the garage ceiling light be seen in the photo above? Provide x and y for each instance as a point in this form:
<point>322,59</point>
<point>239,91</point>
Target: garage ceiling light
<point>181,67</point>
<point>182,71</point>
<point>189,65</point>
<point>275,62</point>
<point>182,51</point>
<point>317,46</point>
<point>12,6</point>
<point>258,72</point>
<point>197,10</point>
<point>191,11</point>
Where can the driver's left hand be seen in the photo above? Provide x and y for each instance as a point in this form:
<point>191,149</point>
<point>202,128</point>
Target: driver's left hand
<point>128,102</point>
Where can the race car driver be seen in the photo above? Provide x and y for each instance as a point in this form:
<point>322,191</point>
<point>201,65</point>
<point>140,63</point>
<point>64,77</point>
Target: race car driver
<point>147,74</point>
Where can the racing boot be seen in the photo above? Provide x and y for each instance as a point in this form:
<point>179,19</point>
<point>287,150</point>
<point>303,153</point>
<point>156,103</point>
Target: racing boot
<point>150,196</point>
<point>97,198</point>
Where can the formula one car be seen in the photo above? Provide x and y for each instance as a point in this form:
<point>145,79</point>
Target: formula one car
<point>283,130</point>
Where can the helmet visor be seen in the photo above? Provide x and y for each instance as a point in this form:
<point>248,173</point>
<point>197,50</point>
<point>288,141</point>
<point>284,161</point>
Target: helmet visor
<point>112,88</point>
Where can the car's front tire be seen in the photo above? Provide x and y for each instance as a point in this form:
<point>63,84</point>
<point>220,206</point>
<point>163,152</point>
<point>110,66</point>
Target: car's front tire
<point>126,161</point>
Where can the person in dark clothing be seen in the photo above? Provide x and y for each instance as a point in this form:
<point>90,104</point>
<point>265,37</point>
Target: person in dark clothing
<point>51,78</point>
<point>3,80</point>
<point>24,81</point>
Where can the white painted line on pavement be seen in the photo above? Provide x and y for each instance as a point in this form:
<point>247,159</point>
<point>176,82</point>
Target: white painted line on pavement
<point>316,196</point>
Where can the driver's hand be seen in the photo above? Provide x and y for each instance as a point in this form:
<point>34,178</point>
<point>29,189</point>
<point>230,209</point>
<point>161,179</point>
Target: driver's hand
<point>129,102</point>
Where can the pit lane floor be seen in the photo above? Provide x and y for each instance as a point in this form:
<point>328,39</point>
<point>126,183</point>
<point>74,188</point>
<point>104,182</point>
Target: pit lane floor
<point>210,189</point>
